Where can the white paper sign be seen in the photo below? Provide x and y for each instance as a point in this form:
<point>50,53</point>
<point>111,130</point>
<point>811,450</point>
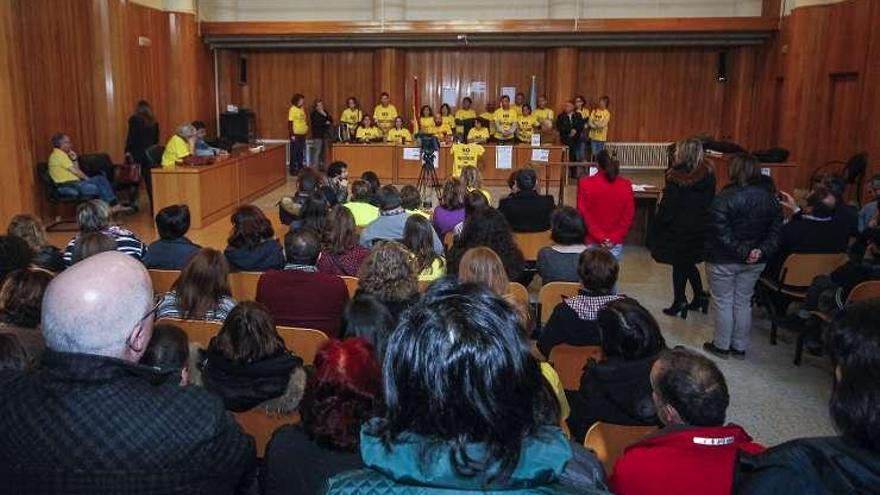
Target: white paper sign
<point>449,95</point>
<point>765,171</point>
<point>510,92</point>
<point>536,139</point>
<point>478,87</point>
<point>593,171</point>
<point>504,157</point>
<point>437,159</point>
<point>540,155</point>
<point>412,154</point>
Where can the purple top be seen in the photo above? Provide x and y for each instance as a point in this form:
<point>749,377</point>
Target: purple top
<point>445,220</point>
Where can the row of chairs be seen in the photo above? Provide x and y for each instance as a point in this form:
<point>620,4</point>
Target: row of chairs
<point>528,242</point>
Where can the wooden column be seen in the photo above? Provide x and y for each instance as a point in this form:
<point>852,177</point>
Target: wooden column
<point>389,75</point>
<point>561,77</point>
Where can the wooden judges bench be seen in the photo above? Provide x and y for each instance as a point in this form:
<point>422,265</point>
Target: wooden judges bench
<point>214,191</point>
<point>387,160</point>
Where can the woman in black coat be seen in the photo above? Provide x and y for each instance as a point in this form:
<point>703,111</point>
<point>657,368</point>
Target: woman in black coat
<point>143,132</point>
<point>679,229</point>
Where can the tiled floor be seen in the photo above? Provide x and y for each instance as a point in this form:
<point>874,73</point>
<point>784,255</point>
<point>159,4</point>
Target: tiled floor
<point>773,399</point>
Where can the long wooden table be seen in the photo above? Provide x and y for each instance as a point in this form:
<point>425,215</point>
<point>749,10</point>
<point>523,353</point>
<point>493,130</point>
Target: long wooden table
<point>214,191</point>
<point>387,160</point>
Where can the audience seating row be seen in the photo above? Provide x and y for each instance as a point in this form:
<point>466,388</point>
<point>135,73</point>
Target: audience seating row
<point>862,292</point>
<point>528,242</point>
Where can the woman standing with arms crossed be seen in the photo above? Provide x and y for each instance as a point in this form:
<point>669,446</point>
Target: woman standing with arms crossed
<point>143,132</point>
<point>745,222</point>
<point>298,126</point>
<point>606,202</point>
<point>679,227</point>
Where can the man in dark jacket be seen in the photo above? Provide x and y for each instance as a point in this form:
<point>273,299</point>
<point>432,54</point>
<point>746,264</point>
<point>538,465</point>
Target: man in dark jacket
<point>570,125</point>
<point>849,463</point>
<point>90,420</point>
<point>525,209</point>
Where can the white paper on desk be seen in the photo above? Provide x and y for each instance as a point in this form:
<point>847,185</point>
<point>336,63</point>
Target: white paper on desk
<point>593,171</point>
<point>540,155</point>
<point>765,171</point>
<point>412,153</point>
<point>641,187</point>
<point>510,92</point>
<point>504,157</point>
<point>449,95</point>
<point>536,139</point>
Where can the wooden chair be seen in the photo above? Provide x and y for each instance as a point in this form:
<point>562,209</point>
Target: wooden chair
<point>519,293</point>
<point>569,362</point>
<point>609,441</point>
<point>305,342</point>
<point>553,294</point>
<point>244,285</point>
<point>261,425</point>
<point>862,292</point>
<point>351,283</point>
<point>198,331</point>
<point>532,242</point>
<point>794,279</point>
<point>163,280</point>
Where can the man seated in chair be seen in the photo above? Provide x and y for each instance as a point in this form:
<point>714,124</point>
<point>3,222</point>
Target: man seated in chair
<point>65,173</point>
<point>695,451</point>
<point>300,296</point>
<point>527,210</point>
<point>392,219</point>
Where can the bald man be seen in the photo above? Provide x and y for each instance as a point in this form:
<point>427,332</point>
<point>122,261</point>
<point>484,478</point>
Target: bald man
<point>91,420</point>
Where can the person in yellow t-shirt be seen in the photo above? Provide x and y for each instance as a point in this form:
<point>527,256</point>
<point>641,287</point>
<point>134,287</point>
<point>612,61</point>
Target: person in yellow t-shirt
<point>367,132</point>
<point>465,155</point>
<point>519,100</point>
<point>598,124</point>
<point>426,120</point>
<point>442,129</point>
<point>385,113</point>
<point>505,122</point>
<point>543,113</point>
<point>351,116</point>
<point>479,134</point>
<point>298,123</point>
<point>489,116</point>
<point>179,146</point>
<point>446,115</point>
<point>398,134</point>
<point>526,125</point>
<point>65,172</point>
<point>464,118</point>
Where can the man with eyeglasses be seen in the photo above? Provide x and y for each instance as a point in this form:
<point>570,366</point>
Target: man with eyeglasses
<point>91,420</point>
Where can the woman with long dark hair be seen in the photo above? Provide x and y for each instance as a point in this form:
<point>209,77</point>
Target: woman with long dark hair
<point>21,306</point>
<point>418,237</point>
<point>450,211</point>
<point>201,292</point>
<point>607,203</point>
<point>340,252</point>
<point>143,132</point>
<point>487,227</point>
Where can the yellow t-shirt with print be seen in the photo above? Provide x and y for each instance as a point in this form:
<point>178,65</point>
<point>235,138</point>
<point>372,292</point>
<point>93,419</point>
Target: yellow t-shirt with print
<point>481,134</point>
<point>599,124</point>
<point>298,116</point>
<point>542,114</point>
<point>449,121</point>
<point>426,125</point>
<point>351,117</point>
<point>442,131</point>
<point>505,123</point>
<point>526,127</point>
<point>585,112</point>
<point>60,166</point>
<point>368,133</point>
<point>399,136</point>
<point>462,115</point>
<point>385,116</point>
<point>465,155</point>
<point>485,193</point>
<point>175,151</point>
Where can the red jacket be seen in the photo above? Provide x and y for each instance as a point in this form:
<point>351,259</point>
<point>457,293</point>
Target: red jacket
<point>607,207</point>
<point>303,299</point>
<point>679,460</point>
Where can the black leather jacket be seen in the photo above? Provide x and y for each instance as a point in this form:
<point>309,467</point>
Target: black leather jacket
<point>742,219</point>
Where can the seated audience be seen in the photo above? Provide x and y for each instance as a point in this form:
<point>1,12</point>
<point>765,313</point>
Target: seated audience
<point>525,209</point>
<point>91,418</point>
<point>340,252</point>
<point>850,462</point>
<point>252,246</point>
<point>169,352</point>
<point>559,262</point>
<point>343,393</point>
<point>418,237</point>
<point>30,229</point>
<point>482,266</point>
<point>290,208</point>
<point>411,201</point>
<point>373,180</point>
<point>21,301</point>
<point>367,318</point>
<point>248,365</point>
<point>607,203</point>
<point>488,228</point>
<point>617,390</point>
<point>844,213</point>
<point>829,293</point>
<point>91,244</point>
<point>460,354</point>
<point>15,254</point>
<point>450,211</point>
<point>299,295</point>
<point>472,180</point>
<point>391,222</point>
<point>13,356</point>
<point>313,214</point>
<point>473,201</point>
<point>695,451</point>
<point>573,321</point>
<point>335,186</point>
<point>389,274</point>
<point>94,216</point>
<point>201,292</point>
<point>173,249</point>
<point>360,203</point>
<point>65,171</point>
<point>868,213</point>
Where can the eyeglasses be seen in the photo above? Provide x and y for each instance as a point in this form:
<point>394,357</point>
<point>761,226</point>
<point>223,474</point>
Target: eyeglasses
<point>157,301</point>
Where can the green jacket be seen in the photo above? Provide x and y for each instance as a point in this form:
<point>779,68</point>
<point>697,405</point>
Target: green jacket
<point>403,470</point>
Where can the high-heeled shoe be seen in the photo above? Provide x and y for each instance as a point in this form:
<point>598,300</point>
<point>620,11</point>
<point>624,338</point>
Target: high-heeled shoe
<point>677,308</point>
<point>700,303</point>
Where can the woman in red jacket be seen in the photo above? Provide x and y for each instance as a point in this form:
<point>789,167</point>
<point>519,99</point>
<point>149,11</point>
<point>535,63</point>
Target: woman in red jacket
<point>606,202</point>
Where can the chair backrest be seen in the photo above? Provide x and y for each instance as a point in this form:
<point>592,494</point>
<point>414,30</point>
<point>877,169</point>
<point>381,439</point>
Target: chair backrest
<point>569,362</point>
<point>198,331</point>
<point>261,425</point>
<point>351,283</point>
<point>244,285</point>
<point>305,342</point>
<point>609,441</point>
<point>532,242</point>
<point>520,293</point>
<point>449,239</point>
<point>553,294</point>
<point>163,279</point>
<point>800,269</point>
<point>864,291</point>
<point>154,154</point>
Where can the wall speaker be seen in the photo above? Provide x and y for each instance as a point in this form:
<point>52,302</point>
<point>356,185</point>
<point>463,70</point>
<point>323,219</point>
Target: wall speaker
<point>242,70</point>
<point>722,66</point>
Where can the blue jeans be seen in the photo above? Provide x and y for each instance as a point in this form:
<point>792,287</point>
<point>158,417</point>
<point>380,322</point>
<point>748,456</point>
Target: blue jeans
<point>597,146</point>
<point>97,185</point>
